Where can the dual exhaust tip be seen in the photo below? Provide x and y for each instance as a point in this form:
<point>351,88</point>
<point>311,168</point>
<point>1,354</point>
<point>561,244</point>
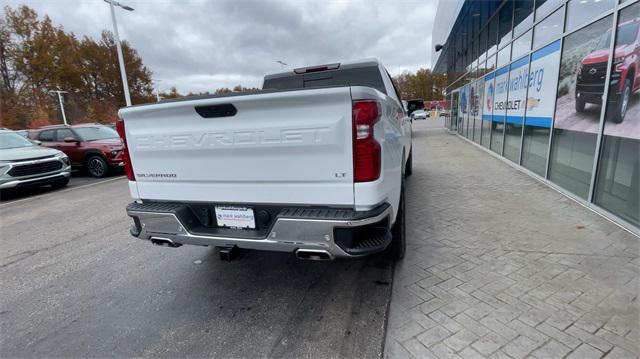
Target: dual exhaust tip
<point>164,242</point>
<point>313,254</point>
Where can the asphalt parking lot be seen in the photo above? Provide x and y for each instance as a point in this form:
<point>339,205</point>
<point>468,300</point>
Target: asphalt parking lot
<point>76,284</point>
<point>482,278</point>
<point>78,179</point>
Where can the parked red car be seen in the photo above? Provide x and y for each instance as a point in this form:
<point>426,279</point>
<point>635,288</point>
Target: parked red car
<point>625,77</point>
<point>95,147</point>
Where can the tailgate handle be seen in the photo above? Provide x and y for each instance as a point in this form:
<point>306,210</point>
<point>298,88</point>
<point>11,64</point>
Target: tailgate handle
<point>212,111</point>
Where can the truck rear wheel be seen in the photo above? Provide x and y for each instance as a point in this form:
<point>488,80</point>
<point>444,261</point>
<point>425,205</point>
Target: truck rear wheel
<point>408,168</point>
<point>398,245</point>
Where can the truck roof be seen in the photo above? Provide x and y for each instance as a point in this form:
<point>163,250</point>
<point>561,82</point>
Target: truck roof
<point>358,64</point>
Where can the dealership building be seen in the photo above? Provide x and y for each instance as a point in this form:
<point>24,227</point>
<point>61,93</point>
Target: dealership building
<point>552,87</point>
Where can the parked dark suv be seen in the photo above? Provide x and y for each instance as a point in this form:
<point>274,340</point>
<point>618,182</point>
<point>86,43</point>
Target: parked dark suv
<point>95,147</point>
<point>625,77</point>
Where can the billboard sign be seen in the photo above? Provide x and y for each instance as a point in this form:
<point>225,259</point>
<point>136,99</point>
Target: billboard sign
<point>543,82</point>
<point>518,80</point>
<point>489,92</point>
<point>464,99</point>
<point>501,87</point>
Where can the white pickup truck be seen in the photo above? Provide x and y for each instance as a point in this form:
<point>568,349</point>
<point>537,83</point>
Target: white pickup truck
<point>314,164</point>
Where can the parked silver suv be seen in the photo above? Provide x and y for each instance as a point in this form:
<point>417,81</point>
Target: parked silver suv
<point>24,163</point>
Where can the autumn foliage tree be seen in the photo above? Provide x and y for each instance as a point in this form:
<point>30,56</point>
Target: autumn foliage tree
<point>423,84</point>
<point>37,57</point>
<point>173,92</point>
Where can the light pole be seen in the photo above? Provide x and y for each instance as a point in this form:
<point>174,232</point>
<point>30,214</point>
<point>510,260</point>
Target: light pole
<point>157,88</point>
<point>278,61</point>
<point>64,117</point>
<point>123,72</point>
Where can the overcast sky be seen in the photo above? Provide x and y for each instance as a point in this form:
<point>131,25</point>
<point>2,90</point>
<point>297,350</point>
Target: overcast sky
<point>201,45</point>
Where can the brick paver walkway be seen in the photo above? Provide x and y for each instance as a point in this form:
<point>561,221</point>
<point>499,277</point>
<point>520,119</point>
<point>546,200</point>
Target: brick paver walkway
<point>499,265</point>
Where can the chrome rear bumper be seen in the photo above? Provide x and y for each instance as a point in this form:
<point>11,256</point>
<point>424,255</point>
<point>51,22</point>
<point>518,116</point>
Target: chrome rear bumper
<point>286,234</point>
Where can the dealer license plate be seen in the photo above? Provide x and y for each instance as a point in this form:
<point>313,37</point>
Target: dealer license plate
<point>235,217</point>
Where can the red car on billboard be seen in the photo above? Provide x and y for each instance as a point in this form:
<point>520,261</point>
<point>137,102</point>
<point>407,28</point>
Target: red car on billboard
<point>625,77</point>
<point>94,147</point>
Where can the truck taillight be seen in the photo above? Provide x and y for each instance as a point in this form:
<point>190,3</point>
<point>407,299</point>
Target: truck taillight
<point>128,168</point>
<point>366,150</point>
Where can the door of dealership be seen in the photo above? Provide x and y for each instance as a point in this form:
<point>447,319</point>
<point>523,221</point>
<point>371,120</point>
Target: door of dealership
<point>453,119</point>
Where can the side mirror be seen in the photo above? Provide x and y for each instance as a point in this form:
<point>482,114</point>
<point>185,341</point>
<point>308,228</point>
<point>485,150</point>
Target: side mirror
<point>36,142</point>
<point>414,105</point>
<point>70,139</point>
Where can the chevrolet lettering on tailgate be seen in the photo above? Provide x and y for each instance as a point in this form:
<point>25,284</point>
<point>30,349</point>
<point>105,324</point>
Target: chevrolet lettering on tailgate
<point>237,138</point>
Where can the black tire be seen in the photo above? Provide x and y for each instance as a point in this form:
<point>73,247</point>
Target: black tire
<point>580,105</point>
<point>623,103</point>
<point>398,246</point>
<point>97,166</point>
<point>408,168</point>
<point>60,183</point>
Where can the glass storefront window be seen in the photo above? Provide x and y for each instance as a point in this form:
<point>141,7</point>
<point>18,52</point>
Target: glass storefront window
<point>544,7</point>
<point>453,126</point>
<point>474,53</point>
<point>483,45</point>
<point>618,184</point>
<point>504,56</point>
<point>470,117</point>
<point>491,63</point>
<point>463,100</point>
<point>581,11</point>
<point>470,57</point>
<point>492,36</point>
<point>498,106</point>
<point>487,107</point>
<point>521,45</point>
<point>541,100</point>
<point>618,177</point>
<point>468,44</point>
<point>482,69</point>
<point>459,55</point>
<point>504,27</point>
<point>577,115</point>
<point>522,16</point>
<point>516,103</point>
<point>477,109</point>
<point>548,29</point>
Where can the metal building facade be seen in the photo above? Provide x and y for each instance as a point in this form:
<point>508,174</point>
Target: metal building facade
<point>553,87</point>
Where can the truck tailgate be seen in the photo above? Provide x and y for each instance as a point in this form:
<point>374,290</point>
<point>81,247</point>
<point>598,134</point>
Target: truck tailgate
<point>287,147</point>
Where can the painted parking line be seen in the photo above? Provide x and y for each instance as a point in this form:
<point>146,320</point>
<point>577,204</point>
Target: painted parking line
<point>61,191</point>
